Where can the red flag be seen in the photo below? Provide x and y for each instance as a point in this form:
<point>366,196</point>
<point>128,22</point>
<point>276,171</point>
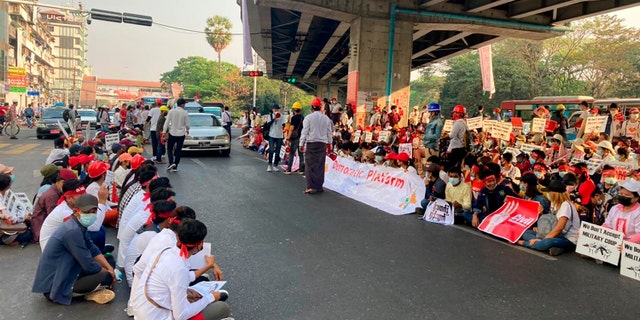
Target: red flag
<point>512,219</point>
<point>197,95</point>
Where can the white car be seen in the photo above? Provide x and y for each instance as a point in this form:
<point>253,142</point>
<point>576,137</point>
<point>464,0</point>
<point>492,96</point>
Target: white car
<point>207,134</point>
<point>88,117</point>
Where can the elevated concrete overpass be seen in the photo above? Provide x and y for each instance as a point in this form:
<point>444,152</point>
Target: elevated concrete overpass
<point>377,43</point>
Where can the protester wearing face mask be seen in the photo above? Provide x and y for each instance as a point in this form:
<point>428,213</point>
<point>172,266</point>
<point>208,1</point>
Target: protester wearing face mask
<point>458,194</point>
<point>529,190</point>
<point>557,151</point>
<point>631,127</point>
<point>435,187</point>
<point>585,184</point>
<point>609,185</point>
<point>71,264</point>
<point>540,170</point>
<point>598,207</point>
<point>625,217</point>
<point>508,170</point>
<point>522,162</point>
<point>605,152</point>
<point>490,199</point>
<point>613,121</point>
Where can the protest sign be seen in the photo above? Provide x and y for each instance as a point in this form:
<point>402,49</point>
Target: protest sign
<point>622,169</point>
<point>368,136</point>
<point>197,260</point>
<point>389,189</point>
<point>599,243</point>
<point>384,136</point>
<point>474,123</point>
<point>448,125</point>
<point>439,211</point>
<point>550,126</point>
<point>630,262</point>
<point>356,136</point>
<point>487,125</point>
<point>537,125</point>
<point>512,219</point>
<point>205,287</point>
<point>62,130</point>
<point>110,140</point>
<point>516,122</point>
<point>594,164</point>
<point>502,130</point>
<point>18,206</point>
<point>406,148</point>
<point>108,179</point>
<point>595,124</point>
<point>527,148</point>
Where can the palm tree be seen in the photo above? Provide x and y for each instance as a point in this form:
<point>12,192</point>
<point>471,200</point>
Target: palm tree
<point>218,35</point>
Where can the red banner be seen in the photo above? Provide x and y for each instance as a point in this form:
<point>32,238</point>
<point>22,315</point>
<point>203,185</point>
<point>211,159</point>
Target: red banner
<point>512,219</point>
<point>17,81</point>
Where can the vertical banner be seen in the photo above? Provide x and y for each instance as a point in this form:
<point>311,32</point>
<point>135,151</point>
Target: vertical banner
<point>511,220</point>
<point>246,35</point>
<point>486,69</point>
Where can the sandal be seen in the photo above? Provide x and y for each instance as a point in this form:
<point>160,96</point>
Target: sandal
<point>310,191</point>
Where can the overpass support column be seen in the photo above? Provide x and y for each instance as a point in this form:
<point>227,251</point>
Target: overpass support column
<point>322,90</point>
<point>368,66</point>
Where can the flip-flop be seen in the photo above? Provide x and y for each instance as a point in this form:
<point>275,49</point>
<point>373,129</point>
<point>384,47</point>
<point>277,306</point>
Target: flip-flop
<point>310,191</point>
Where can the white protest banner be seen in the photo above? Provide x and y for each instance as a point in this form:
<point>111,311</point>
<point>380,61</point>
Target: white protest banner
<point>439,211</point>
<point>630,262</point>
<point>18,206</point>
<point>406,148</point>
<point>594,164</point>
<point>511,220</point>
<point>384,136</point>
<point>389,189</point>
<point>110,140</point>
<point>537,125</point>
<point>368,136</point>
<point>474,123</point>
<point>599,243</point>
<point>197,260</point>
<point>487,125</point>
<point>595,124</point>
<point>527,148</point>
<point>514,152</point>
<point>448,125</point>
<point>356,136</point>
<point>502,130</point>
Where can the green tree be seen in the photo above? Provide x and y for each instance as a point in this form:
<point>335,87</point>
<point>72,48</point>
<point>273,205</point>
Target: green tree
<point>427,88</point>
<point>218,34</point>
<point>198,74</point>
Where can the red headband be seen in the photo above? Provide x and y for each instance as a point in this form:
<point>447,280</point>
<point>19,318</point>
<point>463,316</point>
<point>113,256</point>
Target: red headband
<point>146,196</point>
<point>184,248</point>
<point>161,214</point>
<point>77,192</point>
<point>144,184</point>
<point>489,178</point>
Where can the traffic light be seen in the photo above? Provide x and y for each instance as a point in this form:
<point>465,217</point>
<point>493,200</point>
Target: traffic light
<point>112,16</point>
<point>289,80</point>
<point>137,19</point>
<point>252,73</point>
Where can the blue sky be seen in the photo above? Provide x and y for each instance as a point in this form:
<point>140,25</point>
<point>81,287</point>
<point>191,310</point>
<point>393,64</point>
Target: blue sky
<point>125,51</point>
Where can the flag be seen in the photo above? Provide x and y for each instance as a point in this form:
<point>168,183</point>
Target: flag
<point>246,35</point>
<point>197,96</point>
<point>486,69</point>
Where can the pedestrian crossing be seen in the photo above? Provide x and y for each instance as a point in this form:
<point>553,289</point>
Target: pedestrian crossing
<point>31,149</point>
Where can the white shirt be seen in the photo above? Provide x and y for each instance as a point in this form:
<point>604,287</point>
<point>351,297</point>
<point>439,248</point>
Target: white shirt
<point>135,206</point>
<point>167,285</point>
<point>155,115</point>
<point>573,223</point>
<point>139,242</point>
<point>513,174</point>
<point>226,117</point>
<point>316,127</point>
<point>457,133</point>
<point>58,216</point>
<point>177,122</point>
<point>128,232</point>
<point>275,131</point>
<point>56,154</point>
<point>626,222</point>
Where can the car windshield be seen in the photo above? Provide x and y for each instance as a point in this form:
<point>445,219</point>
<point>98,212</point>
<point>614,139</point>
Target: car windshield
<point>87,113</point>
<point>52,113</point>
<point>203,120</point>
<point>213,110</point>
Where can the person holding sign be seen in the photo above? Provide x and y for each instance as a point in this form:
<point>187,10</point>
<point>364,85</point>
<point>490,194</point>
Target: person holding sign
<point>456,149</point>
<point>625,217</point>
<point>564,235</point>
<point>490,199</point>
<point>6,180</point>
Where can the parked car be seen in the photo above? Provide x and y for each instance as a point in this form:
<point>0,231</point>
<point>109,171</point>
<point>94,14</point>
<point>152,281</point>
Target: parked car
<point>207,134</point>
<point>193,107</point>
<point>216,111</point>
<point>88,117</point>
<point>48,123</point>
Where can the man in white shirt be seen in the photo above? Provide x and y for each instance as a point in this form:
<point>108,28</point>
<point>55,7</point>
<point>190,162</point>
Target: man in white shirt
<point>456,150</point>
<point>582,120</point>
<point>227,119</point>
<point>152,123</point>
<point>176,127</point>
<point>336,110</point>
<point>315,138</point>
<point>72,189</point>
<point>161,292</point>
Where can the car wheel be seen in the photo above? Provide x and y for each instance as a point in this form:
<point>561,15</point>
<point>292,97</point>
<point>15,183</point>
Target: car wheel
<point>40,137</point>
<point>225,153</point>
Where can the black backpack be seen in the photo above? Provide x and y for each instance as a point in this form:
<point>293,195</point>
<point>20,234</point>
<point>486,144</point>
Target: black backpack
<point>65,115</point>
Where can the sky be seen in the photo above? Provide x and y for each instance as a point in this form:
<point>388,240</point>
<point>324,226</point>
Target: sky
<point>126,51</point>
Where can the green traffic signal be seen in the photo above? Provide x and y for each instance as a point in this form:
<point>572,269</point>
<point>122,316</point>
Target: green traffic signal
<point>289,80</point>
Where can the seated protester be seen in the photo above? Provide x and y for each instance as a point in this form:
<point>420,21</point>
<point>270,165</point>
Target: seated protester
<point>131,185</point>
<point>598,207</point>
<point>6,180</point>
<point>523,163</point>
<point>563,169</point>
<point>369,157</point>
<point>403,163</point>
<point>625,216</point>
<point>490,199</point>
<point>606,152</point>
<point>162,293</point>
<point>540,170</point>
<point>71,264</point>
<point>73,189</point>
<point>564,235</point>
<point>161,213</point>
<point>529,190</point>
<point>58,152</point>
<point>48,201</point>
<point>139,219</point>
<point>435,187</point>
<point>508,170</point>
<point>96,175</point>
<point>458,193</point>
<point>557,152</point>
<point>116,151</point>
<point>49,176</point>
<point>538,156</point>
<point>436,160</point>
<point>124,164</point>
<point>610,187</point>
<point>390,160</point>
<point>585,184</point>
<point>379,157</point>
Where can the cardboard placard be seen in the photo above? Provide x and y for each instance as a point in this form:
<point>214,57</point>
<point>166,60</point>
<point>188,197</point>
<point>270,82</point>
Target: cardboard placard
<point>384,136</point>
<point>448,125</point>
<point>406,148</point>
<point>439,211</point>
<point>110,140</point>
<point>474,123</point>
<point>356,136</point>
<point>368,136</point>
<point>488,125</point>
<point>630,261</point>
<point>18,206</point>
<point>502,130</point>
<point>599,243</point>
<point>527,148</point>
<point>516,122</point>
<point>537,125</point>
<point>595,124</point>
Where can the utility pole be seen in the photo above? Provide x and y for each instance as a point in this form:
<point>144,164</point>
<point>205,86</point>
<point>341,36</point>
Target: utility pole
<point>255,79</point>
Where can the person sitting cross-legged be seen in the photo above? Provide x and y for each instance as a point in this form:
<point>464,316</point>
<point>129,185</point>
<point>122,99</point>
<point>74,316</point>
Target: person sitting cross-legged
<point>458,193</point>
<point>490,198</point>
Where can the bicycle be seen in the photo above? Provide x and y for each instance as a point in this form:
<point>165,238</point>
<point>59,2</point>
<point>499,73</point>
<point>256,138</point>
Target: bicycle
<point>11,129</point>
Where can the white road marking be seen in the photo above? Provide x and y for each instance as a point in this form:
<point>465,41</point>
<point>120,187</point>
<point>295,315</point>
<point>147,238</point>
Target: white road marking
<point>200,163</point>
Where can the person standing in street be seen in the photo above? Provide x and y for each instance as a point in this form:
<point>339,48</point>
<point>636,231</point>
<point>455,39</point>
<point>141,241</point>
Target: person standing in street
<point>12,117</point>
<point>275,138</point>
<point>103,117</point>
<point>315,137</point>
<point>176,126</point>
<point>293,138</point>
<point>28,114</point>
<point>456,150</point>
<point>160,135</point>
<point>227,119</point>
<point>152,124</point>
<point>73,119</point>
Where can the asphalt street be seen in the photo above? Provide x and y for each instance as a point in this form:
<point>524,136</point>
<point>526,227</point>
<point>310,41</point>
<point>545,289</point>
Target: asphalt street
<point>287,255</point>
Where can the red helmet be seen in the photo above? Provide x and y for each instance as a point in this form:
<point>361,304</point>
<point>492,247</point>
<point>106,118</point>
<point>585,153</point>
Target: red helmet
<point>316,102</point>
<point>158,101</point>
<point>137,161</point>
<point>460,109</point>
<point>97,168</point>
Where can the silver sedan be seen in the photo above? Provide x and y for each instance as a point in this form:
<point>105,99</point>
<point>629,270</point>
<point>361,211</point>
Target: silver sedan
<point>207,134</point>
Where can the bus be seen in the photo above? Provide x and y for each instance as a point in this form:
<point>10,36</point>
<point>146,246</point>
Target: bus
<point>624,104</point>
<point>524,108</point>
<point>151,100</point>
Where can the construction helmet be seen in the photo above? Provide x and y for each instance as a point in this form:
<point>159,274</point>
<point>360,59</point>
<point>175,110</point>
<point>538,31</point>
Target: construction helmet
<point>561,107</point>
<point>460,109</point>
<point>97,168</point>
<point>296,106</point>
<point>316,102</point>
<point>433,107</point>
<point>158,101</point>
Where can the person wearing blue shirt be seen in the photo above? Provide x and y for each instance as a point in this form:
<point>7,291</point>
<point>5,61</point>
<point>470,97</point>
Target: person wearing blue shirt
<point>433,131</point>
<point>490,199</point>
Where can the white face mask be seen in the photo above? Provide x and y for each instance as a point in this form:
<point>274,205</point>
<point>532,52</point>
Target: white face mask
<point>635,116</point>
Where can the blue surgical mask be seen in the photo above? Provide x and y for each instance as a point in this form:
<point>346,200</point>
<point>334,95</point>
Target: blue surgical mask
<point>538,174</point>
<point>378,158</point>
<point>561,174</point>
<point>87,219</point>
<point>454,181</point>
<point>599,152</point>
<point>13,178</point>
<point>533,161</point>
<point>610,180</point>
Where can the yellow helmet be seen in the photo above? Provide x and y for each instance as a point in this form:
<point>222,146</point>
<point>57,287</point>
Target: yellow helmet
<point>296,106</point>
<point>561,107</point>
<point>164,108</point>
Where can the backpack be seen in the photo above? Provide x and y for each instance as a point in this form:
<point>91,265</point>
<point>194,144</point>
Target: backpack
<point>266,127</point>
<point>65,115</point>
<point>546,223</point>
